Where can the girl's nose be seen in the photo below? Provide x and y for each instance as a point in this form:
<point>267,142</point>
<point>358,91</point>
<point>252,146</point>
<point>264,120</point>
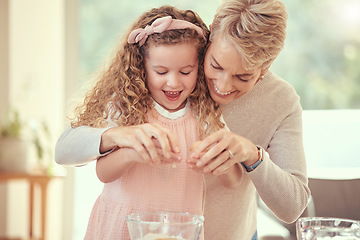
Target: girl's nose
<point>173,81</point>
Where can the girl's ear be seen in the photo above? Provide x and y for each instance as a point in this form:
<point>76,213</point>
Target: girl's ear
<point>210,27</point>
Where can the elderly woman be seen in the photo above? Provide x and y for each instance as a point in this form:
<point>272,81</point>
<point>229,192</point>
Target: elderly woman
<point>265,118</point>
<point>263,153</point>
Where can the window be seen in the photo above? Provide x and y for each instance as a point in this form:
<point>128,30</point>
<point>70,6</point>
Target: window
<point>321,57</point>
<point>321,60</point>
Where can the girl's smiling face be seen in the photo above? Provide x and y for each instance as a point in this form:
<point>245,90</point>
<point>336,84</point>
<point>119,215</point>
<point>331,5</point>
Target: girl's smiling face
<point>171,74</point>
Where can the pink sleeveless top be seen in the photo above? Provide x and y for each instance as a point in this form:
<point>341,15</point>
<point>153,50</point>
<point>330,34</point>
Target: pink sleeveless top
<point>150,188</point>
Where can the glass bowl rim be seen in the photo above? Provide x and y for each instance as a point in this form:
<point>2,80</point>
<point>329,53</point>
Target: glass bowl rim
<point>134,217</point>
<point>306,219</point>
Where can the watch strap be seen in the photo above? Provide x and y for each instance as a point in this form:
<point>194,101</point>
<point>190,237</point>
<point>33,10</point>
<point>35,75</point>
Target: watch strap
<point>253,166</point>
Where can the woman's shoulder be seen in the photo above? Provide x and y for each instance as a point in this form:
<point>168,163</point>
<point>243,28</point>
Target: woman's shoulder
<point>281,94</point>
<point>272,92</point>
<point>275,89</point>
<point>276,84</point>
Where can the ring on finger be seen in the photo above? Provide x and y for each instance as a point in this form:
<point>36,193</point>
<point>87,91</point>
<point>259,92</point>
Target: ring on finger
<point>231,155</point>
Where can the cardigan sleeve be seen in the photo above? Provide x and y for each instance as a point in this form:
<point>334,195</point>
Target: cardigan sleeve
<point>79,146</point>
<point>281,179</point>
<point>270,115</point>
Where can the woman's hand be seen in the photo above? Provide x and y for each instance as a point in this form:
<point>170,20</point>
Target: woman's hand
<point>148,140</point>
<point>220,151</point>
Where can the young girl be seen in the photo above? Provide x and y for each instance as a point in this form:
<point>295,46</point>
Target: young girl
<point>153,90</point>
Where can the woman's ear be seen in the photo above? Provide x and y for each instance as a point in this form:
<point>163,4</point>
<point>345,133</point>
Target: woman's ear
<point>210,27</point>
<point>264,71</point>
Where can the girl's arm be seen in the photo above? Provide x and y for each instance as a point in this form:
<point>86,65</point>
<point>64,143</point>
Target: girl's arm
<point>229,172</point>
<point>114,165</point>
<point>232,177</point>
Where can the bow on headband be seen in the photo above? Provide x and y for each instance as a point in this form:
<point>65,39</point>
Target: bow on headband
<point>160,25</point>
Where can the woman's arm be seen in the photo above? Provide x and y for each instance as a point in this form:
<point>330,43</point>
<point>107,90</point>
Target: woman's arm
<point>280,179</point>
<point>78,146</point>
<point>81,145</point>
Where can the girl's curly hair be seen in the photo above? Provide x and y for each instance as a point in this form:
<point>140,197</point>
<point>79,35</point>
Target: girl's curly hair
<point>121,93</point>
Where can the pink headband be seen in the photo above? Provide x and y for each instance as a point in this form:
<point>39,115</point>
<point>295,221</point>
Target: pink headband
<point>160,25</point>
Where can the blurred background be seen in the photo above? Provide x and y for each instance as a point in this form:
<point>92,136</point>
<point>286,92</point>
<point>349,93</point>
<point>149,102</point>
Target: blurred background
<point>49,50</point>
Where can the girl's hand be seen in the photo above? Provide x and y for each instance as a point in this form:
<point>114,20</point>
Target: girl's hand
<point>220,151</point>
<point>173,157</point>
<point>140,138</point>
<point>192,162</point>
<point>115,164</point>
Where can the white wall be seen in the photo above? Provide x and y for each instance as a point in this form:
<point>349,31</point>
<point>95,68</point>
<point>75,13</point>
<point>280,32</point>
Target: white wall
<point>4,86</point>
<point>33,70</point>
<point>37,58</point>
<point>4,56</point>
<point>331,142</point>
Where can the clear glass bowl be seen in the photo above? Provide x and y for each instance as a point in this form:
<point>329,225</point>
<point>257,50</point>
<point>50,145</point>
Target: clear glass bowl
<point>315,228</point>
<point>164,226</point>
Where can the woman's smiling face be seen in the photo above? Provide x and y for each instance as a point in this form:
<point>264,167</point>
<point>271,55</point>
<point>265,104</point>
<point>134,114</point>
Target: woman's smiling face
<point>225,74</point>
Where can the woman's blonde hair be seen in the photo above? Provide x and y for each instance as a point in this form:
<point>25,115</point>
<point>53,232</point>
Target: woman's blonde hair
<point>121,93</point>
<point>257,28</point>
